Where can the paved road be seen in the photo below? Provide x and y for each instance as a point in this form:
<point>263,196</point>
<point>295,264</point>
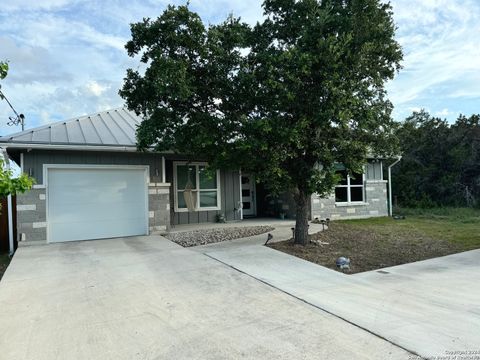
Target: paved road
<point>147,298</point>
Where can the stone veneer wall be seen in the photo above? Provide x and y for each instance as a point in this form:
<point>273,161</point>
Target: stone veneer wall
<point>159,207</point>
<point>32,222</point>
<point>31,216</point>
<point>376,204</point>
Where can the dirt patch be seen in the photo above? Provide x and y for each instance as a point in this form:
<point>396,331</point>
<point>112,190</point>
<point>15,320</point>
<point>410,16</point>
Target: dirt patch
<point>368,248</point>
<point>4,261</point>
<point>210,236</point>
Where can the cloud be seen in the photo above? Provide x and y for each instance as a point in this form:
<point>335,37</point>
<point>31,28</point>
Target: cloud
<point>95,88</point>
<point>443,113</point>
<point>22,5</point>
<point>67,57</point>
<point>440,42</point>
<point>29,64</point>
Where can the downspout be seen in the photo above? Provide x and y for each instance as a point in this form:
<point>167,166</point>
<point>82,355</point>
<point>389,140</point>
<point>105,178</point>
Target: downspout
<point>390,204</point>
<point>164,174</point>
<point>11,244</point>
<point>240,207</point>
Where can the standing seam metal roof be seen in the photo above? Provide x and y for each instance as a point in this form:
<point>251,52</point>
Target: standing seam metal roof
<point>115,127</point>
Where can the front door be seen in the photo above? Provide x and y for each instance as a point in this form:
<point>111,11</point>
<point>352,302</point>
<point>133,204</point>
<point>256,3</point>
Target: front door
<point>248,196</point>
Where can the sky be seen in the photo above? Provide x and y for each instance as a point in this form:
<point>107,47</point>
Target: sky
<point>67,57</point>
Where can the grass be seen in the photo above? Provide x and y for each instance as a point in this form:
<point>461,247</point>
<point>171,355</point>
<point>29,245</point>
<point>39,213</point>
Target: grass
<point>381,242</point>
<point>4,261</point>
<point>458,226</point>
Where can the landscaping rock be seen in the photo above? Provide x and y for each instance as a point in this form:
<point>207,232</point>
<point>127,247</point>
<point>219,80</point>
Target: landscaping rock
<point>210,236</point>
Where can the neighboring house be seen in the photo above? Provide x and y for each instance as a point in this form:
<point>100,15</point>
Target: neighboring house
<point>93,183</point>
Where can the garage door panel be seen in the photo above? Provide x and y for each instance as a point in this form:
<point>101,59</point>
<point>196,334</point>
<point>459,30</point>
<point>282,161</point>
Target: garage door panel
<point>97,196</point>
<point>94,203</point>
<point>67,213</point>
<point>90,230</point>
<point>90,179</point>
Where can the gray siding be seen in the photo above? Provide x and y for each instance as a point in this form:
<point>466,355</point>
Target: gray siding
<point>34,161</point>
<point>229,180</point>
<point>374,171</point>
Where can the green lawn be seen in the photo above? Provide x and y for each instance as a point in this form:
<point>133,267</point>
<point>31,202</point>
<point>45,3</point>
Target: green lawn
<point>382,242</point>
<point>459,226</point>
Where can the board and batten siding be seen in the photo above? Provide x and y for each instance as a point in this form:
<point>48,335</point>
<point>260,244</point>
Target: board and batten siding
<point>229,199</point>
<point>34,160</point>
<point>374,170</point>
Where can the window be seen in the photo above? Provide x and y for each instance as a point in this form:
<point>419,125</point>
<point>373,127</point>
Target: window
<point>205,188</point>
<point>350,188</point>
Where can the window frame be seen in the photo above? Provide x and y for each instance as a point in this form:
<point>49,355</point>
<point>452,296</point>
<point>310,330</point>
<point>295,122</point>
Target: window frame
<point>197,190</point>
<point>349,186</point>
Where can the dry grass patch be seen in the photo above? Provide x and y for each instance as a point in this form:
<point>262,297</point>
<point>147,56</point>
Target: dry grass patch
<point>382,242</point>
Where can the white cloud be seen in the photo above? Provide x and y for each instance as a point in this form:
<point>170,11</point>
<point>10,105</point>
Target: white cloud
<point>95,88</point>
<point>440,41</point>
<point>67,57</point>
<point>443,113</point>
<point>22,5</point>
<point>416,109</point>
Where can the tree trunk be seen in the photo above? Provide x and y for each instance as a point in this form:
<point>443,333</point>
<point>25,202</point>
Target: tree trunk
<point>301,224</point>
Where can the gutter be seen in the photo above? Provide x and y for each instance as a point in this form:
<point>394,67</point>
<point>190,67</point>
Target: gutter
<point>390,204</point>
<point>69,147</point>
<point>11,244</point>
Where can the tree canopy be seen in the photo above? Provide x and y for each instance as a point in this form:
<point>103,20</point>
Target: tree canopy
<point>441,162</point>
<point>286,99</point>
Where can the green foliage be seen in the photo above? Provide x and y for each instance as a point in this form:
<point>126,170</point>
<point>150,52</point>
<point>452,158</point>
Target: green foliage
<point>301,88</point>
<point>3,74</point>
<point>3,69</point>
<point>10,185</point>
<point>441,162</point>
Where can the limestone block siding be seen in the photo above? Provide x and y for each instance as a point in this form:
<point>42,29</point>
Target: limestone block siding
<point>375,204</point>
<point>159,207</point>
<point>31,216</point>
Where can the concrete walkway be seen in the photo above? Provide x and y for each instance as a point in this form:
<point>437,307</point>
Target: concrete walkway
<point>147,298</point>
<point>429,307</point>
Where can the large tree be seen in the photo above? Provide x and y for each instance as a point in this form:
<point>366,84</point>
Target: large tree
<point>441,162</point>
<point>286,99</point>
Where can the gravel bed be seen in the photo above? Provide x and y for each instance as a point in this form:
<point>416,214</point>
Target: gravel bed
<point>210,236</point>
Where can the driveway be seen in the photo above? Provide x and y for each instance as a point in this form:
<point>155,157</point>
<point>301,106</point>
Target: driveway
<point>430,308</point>
<point>147,298</point>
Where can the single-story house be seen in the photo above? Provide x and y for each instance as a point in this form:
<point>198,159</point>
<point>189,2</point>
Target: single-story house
<point>92,183</point>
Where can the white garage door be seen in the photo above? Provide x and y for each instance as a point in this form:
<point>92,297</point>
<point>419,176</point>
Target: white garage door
<point>95,203</point>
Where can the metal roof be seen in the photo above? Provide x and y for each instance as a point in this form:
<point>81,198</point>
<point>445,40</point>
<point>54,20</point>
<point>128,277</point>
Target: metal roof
<point>115,127</point>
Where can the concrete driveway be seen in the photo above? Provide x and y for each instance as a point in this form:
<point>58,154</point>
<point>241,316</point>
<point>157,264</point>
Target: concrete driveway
<point>431,308</point>
<point>147,298</point>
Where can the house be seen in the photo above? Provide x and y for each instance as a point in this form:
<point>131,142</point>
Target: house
<point>92,183</point>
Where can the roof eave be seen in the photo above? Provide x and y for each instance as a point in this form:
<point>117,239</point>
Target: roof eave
<point>75,147</point>
<point>17,145</point>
